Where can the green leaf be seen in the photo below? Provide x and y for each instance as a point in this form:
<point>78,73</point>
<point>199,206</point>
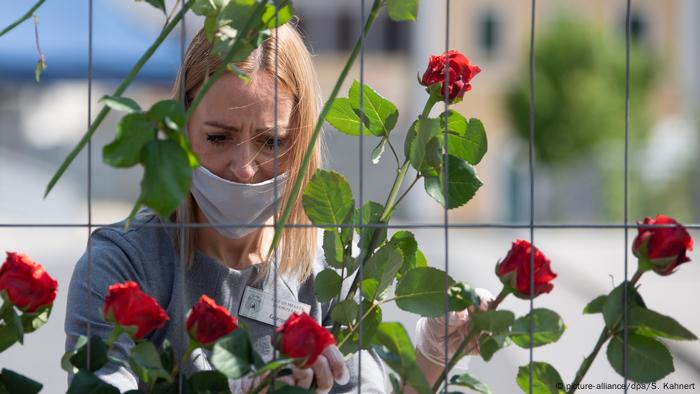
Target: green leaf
<point>490,344</point>
<point>170,112</point>
<point>613,312</point>
<point>66,363</point>
<point>648,360</point>
<point>18,383</point>
<point>98,355</point>
<point>345,312</point>
<point>402,10</point>
<point>233,354</point>
<point>424,148</point>
<point>371,213</point>
<point>146,364</point>
<point>343,117</point>
<point>463,183</point>
<point>33,321</point>
<point>406,241</point>
<point>653,324</point>
<point>369,328</point>
<point>8,336</point>
<point>327,285</point>
<point>285,389</point>
<point>383,266</point>
<point>87,382</point>
<point>492,321</point>
<point>15,324</point>
<point>380,114</point>
<point>208,382</point>
<point>466,140</point>
<point>327,198</point>
<point>285,13</point>
<point>545,379</point>
<point>547,324</point>
<point>468,380</point>
<point>333,248</point>
<point>118,103</point>
<point>461,296</point>
<point>378,150</point>
<point>595,306</point>
<point>346,232</point>
<point>395,383</point>
<point>159,4</point>
<point>167,355</point>
<point>422,291</point>
<point>398,352</point>
<point>167,176</point>
<point>134,131</point>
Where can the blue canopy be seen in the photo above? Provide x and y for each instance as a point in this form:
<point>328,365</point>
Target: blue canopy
<point>120,37</point>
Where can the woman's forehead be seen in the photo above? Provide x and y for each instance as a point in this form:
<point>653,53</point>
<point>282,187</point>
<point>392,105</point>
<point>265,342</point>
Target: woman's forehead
<point>231,96</point>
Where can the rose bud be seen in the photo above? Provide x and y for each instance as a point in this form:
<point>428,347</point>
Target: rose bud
<point>461,73</point>
<point>514,270</point>
<point>302,337</point>
<point>207,321</point>
<point>26,284</point>
<point>128,306</point>
<point>664,247</point>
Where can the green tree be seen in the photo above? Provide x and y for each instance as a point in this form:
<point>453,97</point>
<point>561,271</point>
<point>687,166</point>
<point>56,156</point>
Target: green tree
<point>580,91</point>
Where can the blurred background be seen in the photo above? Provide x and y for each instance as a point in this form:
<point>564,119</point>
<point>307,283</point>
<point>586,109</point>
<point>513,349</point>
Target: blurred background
<point>579,144</point>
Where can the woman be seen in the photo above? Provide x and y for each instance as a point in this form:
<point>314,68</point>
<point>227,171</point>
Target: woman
<point>232,132</point>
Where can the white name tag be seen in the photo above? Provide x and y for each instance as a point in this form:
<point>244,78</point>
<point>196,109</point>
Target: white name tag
<point>259,305</point>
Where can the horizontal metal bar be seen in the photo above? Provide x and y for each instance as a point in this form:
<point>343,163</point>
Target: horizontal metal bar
<point>693,226</point>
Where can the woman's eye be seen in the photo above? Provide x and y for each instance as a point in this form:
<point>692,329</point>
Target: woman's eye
<point>216,139</point>
<point>270,143</point>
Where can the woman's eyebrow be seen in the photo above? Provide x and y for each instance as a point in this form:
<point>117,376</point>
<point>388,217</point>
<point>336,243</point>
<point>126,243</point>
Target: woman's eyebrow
<point>265,130</point>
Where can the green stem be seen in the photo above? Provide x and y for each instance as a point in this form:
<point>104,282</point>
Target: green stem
<point>23,18</point>
<point>326,108</point>
<point>605,334</point>
<point>117,92</point>
<point>176,366</point>
<point>353,329</point>
<point>470,335</point>
<point>588,361</point>
<point>116,332</point>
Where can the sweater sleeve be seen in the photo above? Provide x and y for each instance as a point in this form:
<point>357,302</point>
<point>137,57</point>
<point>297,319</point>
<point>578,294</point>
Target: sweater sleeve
<point>111,262</point>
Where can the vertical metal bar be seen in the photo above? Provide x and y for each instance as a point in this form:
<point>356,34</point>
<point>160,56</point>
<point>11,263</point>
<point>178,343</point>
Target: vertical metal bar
<point>276,169</point>
<point>89,176</point>
<point>361,272</point>
<point>627,142</point>
<point>445,168</point>
<point>532,186</point>
<point>183,261</point>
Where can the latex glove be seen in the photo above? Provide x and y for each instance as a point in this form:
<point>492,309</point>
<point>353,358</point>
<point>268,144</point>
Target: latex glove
<point>329,368</point>
<point>430,331</point>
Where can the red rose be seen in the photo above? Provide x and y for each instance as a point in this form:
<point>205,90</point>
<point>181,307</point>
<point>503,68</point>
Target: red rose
<point>207,322</point>
<point>127,305</point>
<point>514,270</point>
<point>27,285</point>
<point>302,337</point>
<point>664,247</point>
<point>460,74</point>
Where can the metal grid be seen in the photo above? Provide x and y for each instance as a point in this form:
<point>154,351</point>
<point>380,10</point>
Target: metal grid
<point>445,225</point>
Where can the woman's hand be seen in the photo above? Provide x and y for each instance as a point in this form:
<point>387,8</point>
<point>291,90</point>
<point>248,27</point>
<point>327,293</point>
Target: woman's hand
<point>329,367</point>
<point>430,332</point>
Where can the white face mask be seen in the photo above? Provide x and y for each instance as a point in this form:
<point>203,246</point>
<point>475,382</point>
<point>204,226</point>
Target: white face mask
<point>227,202</point>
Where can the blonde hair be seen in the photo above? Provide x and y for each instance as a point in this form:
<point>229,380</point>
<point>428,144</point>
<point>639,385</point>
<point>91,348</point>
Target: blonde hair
<point>295,70</point>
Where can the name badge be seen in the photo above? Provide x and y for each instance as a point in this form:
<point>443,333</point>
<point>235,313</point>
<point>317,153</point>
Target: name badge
<point>259,305</point>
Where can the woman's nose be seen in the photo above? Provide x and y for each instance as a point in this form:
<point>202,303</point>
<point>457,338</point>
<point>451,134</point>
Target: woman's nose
<point>243,162</point>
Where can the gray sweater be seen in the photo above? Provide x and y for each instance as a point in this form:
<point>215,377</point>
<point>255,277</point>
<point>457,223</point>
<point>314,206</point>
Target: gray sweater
<point>146,255</point>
